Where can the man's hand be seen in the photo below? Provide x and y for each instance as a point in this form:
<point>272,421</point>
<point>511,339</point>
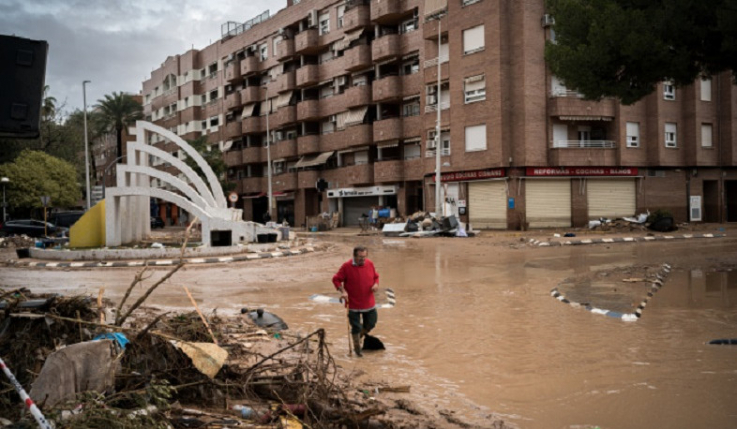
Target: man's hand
<point>343,295</point>
<point>374,288</point>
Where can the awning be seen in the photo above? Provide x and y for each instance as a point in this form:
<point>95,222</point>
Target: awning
<point>340,119</point>
<point>283,99</point>
<point>347,40</point>
<point>392,143</point>
<point>355,116</point>
<point>586,118</point>
<point>434,6</point>
<point>248,111</point>
<point>313,160</point>
<point>253,195</point>
<point>227,145</point>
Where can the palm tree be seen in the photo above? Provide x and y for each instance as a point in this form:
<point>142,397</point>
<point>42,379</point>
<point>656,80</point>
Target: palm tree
<point>118,111</point>
<point>48,109</point>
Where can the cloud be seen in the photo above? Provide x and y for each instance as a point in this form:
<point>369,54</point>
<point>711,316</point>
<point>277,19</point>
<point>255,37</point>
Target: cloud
<point>116,45</point>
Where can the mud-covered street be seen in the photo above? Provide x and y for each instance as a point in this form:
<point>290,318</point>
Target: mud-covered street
<point>476,330</point>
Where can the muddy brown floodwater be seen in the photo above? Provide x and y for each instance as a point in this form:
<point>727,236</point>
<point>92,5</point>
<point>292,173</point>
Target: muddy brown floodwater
<point>476,330</point>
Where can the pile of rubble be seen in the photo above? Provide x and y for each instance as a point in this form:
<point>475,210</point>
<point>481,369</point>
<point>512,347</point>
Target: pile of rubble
<point>90,364</point>
<point>17,241</point>
<point>424,224</point>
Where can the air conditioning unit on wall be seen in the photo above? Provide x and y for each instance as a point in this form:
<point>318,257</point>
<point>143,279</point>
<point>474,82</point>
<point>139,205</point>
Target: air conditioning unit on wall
<point>547,20</point>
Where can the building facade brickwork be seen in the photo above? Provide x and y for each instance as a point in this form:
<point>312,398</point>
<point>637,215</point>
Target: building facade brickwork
<point>347,91</point>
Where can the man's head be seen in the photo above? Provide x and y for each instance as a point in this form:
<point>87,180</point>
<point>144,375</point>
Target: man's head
<point>360,254</point>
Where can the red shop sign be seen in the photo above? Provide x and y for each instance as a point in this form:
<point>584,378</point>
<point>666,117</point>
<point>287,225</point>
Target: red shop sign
<point>461,176</point>
<point>581,171</point>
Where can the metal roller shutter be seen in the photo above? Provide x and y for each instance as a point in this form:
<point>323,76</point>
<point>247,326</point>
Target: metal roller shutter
<point>611,198</point>
<point>487,205</point>
<point>548,203</point>
<point>354,207</point>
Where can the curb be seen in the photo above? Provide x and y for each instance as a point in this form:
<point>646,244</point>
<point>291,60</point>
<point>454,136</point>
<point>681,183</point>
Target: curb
<point>167,262</point>
<point>655,286</point>
<point>539,243</point>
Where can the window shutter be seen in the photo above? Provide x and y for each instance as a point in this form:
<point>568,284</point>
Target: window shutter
<point>473,39</point>
<point>476,138</point>
<point>706,135</point>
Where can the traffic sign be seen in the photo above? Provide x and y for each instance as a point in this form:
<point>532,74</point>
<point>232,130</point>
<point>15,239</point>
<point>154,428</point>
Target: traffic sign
<point>45,200</point>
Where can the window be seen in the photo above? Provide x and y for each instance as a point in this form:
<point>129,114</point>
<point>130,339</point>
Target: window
<point>411,108</point>
<point>264,51</point>
<point>474,89</point>
<point>275,45</point>
<point>445,143</point>
<point>473,40</point>
<point>669,91</point>
<point>412,149</point>
<point>633,134</point>
<point>476,138</point>
<point>278,167</point>
<point>408,26</point>
<point>411,66</point>
<point>324,23</point>
<point>214,121</point>
<point>706,135</point>
<point>469,2</point>
<point>341,12</point>
<point>706,89</point>
<point>213,95</point>
<point>670,135</point>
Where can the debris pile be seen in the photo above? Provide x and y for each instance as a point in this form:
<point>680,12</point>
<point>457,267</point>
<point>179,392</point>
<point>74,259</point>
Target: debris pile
<point>424,224</point>
<point>17,241</point>
<point>87,364</point>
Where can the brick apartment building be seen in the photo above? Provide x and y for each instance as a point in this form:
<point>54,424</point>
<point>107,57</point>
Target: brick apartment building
<point>348,91</point>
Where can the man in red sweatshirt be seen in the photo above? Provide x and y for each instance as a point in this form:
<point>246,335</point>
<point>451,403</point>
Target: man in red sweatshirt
<point>357,281</point>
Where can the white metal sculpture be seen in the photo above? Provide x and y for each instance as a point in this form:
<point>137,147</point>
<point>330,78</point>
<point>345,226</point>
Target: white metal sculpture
<point>127,205</point>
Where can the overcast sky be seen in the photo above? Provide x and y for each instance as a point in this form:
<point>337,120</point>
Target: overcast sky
<point>116,44</point>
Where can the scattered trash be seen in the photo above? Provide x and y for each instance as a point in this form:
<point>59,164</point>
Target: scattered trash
<point>157,245</point>
<point>265,319</point>
<point>569,234</point>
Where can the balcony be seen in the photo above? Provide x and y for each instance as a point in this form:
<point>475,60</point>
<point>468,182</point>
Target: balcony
<point>308,110</point>
<point>233,158</point>
<point>284,116</point>
<point>431,70</point>
<point>285,49</point>
<point>359,174</point>
<point>307,42</point>
<point>308,144</point>
<point>286,82</point>
<point>307,179</point>
<point>591,153</point>
<point>386,47</point>
<point>250,65</point>
<point>356,135</point>
<point>252,94</point>
<point>387,88</point>
<point>251,155</point>
<point>358,58</point>
<point>308,75</point>
<point>232,130</point>
<point>284,181</point>
<point>569,104</point>
<point>358,96</point>
<point>387,11</point>
<point>233,100</point>
<point>252,184</point>
<point>389,171</point>
<point>410,125</point>
<point>430,28</point>
<point>357,16</point>
<point>388,129</point>
<point>254,125</point>
<point>233,71</point>
<point>284,149</point>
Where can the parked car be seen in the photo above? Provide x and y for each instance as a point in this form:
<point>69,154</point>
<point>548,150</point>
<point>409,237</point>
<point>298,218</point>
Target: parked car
<point>32,228</point>
<point>157,222</point>
<point>65,219</point>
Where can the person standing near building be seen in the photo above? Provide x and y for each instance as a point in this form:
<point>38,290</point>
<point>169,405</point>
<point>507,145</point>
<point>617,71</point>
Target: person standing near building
<point>357,281</point>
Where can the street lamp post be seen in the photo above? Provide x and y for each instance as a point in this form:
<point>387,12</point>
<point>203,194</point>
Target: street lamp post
<point>86,144</point>
<point>4,181</point>
<point>438,140</point>
<point>268,155</point>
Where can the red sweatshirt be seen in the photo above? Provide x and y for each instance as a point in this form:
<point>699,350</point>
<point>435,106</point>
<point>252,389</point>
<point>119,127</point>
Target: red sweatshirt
<point>358,281</point>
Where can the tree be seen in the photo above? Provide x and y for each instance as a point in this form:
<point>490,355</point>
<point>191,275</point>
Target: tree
<point>118,111</point>
<point>624,48</point>
<point>48,108</point>
<point>214,159</point>
<point>35,174</point>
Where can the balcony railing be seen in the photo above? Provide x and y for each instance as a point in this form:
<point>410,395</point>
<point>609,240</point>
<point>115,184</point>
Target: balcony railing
<point>434,107</point>
<point>565,92</point>
<point>583,144</point>
<point>434,61</point>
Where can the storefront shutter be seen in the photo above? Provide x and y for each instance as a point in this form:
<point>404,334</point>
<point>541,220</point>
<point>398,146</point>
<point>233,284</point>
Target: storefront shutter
<point>548,203</point>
